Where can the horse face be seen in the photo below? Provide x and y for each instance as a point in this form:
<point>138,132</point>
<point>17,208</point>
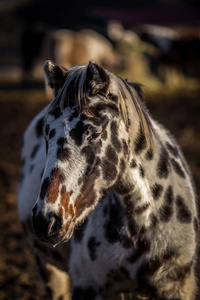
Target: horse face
<point>84,158</point>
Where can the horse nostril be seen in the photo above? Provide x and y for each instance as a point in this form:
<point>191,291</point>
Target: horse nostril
<point>55,224</point>
<point>39,224</point>
<point>45,227</point>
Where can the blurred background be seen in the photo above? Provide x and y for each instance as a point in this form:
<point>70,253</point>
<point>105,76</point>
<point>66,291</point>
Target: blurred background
<point>156,43</point>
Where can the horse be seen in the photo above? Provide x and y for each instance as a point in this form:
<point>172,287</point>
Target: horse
<point>106,198</point>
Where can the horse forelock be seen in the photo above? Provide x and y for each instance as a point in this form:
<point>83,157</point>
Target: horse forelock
<point>74,91</point>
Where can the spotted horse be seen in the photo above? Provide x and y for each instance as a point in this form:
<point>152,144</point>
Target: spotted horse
<point>106,198</point>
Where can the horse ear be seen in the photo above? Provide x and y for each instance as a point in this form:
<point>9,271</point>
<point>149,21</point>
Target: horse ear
<point>97,78</point>
<point>54,76</point>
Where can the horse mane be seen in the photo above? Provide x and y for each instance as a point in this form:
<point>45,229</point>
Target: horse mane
<point>133,95</point>
<point>74,92</point>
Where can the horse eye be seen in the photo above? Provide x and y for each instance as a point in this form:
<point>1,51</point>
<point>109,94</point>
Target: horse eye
<point>94,136</point>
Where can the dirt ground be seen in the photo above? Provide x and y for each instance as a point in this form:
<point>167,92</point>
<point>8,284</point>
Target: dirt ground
<point>177,109</point>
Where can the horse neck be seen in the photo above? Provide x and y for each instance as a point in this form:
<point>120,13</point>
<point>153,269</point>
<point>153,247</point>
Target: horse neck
<point>134,186</point>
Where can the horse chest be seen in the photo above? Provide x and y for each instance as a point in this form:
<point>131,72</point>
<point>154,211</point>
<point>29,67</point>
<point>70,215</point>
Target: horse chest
<point>101,249</point>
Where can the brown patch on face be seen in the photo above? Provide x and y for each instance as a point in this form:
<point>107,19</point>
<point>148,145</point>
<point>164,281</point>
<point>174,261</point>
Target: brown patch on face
<point>87,193</point>
<point>65,198</point>
<point>68,228</point>
<point>53,191</point>
<point>71,210</point>
<point>61,211</point>
<point>65,226</point>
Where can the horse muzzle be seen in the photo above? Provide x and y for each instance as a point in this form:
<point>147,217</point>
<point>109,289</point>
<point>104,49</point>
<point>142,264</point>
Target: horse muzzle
<point>50,228</point>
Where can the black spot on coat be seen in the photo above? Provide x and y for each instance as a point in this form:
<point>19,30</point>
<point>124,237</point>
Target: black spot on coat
<point>77,133</point>
<point>196,225</point>
<point>44,187</point>
<point>39,127</point>
<point>109,170</point>
<point>89,154</point>
<point>31,168</point>
<point>141,170</point>
<point>126,241</point>
<point>173,149</point>
<point>63,154</point>
<point>133,163</point>
<point>61,142</point>
<point>57,172</point>
<point>177,168</point>
<point>149,154</point>
<point>35,150</point>
<point>114,136</point>
<point>52,133</point>
<point>79,232</point>
<point>166,211</point>
<point>156,191</point>
<point>111,155</point>
<point>47,130</point>
<point>125,147</point>
<point>124,187</point>
<point>56,112</point>
<point>142,246</point>
<point>74,115</point>
<point>114,223</point>
<point>140,142</point>
<point>163,166</point>
<point>183,213</point>
<point>92,247</point>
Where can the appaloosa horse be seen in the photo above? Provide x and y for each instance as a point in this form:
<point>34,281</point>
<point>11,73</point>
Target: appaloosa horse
<point>110,189</point>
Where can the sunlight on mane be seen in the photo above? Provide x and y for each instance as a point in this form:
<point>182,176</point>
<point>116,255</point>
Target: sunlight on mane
<point>74,91</point>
